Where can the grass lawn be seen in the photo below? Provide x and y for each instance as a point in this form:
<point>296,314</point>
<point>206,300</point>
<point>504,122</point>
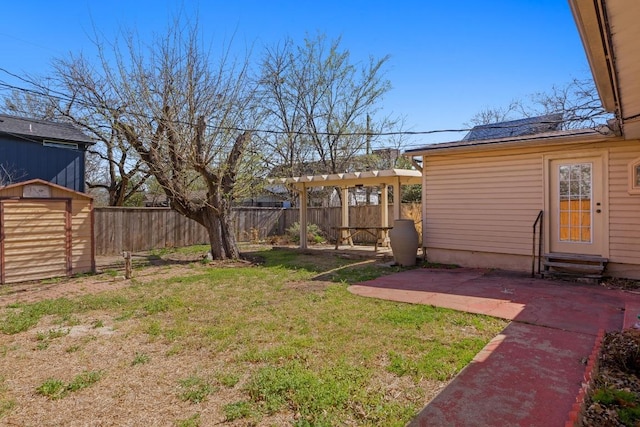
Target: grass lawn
<point>276,344</point>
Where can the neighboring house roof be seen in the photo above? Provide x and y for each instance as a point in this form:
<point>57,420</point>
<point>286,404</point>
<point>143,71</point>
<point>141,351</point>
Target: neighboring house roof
<point>610,32</point>
<point>526,126</point>
<point>41,130</point>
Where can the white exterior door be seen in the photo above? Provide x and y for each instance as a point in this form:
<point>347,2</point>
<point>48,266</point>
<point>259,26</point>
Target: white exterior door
<point>576,206</point>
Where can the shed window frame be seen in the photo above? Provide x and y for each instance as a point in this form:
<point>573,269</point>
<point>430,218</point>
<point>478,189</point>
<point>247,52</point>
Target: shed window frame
<point>634,176</point>
<point>60,144</point>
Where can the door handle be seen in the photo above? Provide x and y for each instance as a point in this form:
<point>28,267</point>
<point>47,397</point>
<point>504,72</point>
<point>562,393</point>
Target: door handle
<point>598,211</point>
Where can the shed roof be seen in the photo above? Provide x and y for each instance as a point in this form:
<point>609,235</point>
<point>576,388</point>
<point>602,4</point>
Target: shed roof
<point>47,183</point>
<point>41,129</point>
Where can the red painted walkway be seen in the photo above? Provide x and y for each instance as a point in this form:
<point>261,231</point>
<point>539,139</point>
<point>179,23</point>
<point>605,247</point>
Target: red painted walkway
<point>530,374</point>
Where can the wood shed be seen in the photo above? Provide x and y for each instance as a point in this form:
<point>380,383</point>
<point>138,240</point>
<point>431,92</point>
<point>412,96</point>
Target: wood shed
<point>46,230</point>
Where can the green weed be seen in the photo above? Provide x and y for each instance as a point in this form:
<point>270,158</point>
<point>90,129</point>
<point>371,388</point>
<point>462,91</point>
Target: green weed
<point>441,362</point>
<point>52,281</point>
<point>140,359</point>
<point>44,338</point>
<point>72,349</point>
<point>154,329</point>
<point>22,317</point>
<point>353,275</point>
<point>609,396</point>
<point>625,403</point>
<point>194,389</point>
<point>321,396</point>
<point>228,379</point>
<point>111,272</point>
<point>52,388</point>
<point>52,334</point>
<point>192,421</point>
<point>84,380</point>
<point>6,406</point>
<point>161,305</point>
<point>629,416</point>
<point>57,389</point>
<point>237,410</point>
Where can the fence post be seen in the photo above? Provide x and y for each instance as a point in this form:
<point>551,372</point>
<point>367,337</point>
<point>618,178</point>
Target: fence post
<point>127,264</point>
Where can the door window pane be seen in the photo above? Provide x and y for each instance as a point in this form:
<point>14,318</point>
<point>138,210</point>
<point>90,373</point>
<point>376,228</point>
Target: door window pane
<point>574,181</point>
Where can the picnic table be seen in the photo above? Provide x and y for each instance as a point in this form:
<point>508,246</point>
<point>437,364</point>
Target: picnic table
<point>345,234</point>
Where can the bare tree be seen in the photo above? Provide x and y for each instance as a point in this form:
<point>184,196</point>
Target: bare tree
<point>495,114</point>
<point>167,109</point>
<point>74,94</point>
<point>577,100</point>
<point>30,104</point>
<point>183,116</point>
<point>318,102</point>
<point>9,174</point>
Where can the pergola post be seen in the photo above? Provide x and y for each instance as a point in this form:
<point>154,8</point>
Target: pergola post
<point>303,217</point>
<point>384,215</point>
<point>344,214</point>
<point>384,205</point>
<point>397,200</point>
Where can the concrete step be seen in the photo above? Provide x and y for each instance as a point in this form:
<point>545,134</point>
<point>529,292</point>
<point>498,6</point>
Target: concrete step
<point>574,265</point>
<point>569,266</point>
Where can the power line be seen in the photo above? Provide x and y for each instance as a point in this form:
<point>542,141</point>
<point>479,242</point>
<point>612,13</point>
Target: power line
<point>53,94</point>
<point>233,128</point>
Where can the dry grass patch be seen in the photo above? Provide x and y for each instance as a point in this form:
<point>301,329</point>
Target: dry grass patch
<point>249,345</point>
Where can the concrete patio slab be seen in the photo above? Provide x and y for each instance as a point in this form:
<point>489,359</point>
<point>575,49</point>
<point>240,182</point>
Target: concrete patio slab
<point>531,373</point>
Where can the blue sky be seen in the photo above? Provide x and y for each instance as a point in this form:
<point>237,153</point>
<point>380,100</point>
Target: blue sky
<point>449,59</point>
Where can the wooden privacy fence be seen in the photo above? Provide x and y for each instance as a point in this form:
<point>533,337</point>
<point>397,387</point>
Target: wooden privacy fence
<point>138,229</point>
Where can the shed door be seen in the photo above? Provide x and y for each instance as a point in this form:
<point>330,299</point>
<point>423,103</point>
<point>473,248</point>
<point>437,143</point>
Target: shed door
<point>35,240</point>
<point>576,206</point>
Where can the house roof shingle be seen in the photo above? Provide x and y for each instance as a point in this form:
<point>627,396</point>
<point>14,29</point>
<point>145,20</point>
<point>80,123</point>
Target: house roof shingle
<point>526,126</point>
<point>42,129</point>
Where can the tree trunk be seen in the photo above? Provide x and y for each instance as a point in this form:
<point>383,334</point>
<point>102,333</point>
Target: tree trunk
<point>221,237</point>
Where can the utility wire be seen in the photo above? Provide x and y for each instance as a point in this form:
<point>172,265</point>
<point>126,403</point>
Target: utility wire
<point>53,94</point>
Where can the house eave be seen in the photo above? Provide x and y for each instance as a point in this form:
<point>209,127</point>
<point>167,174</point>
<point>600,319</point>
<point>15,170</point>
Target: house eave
<point>590,17</point>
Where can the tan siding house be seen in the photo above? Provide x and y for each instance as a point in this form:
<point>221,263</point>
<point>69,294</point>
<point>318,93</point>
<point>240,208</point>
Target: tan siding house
<point>480,200</point>
<point>482,195</point>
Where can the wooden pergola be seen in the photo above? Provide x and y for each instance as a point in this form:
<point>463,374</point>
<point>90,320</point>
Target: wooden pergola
<point>384,179</point>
